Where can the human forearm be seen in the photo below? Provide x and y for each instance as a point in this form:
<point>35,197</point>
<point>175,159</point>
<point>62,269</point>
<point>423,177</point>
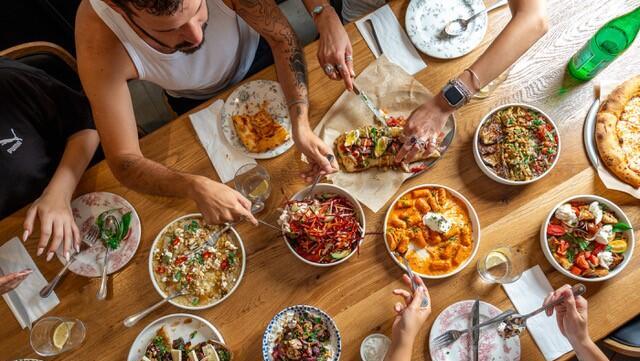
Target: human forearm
<point>291,68</point>
<point>400,350</point>
<point>587,350</point>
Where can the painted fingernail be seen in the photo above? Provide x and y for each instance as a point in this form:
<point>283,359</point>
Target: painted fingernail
<point>67,256</point>
<point>77,248</point>
<point>49,256</point>
<point>25,235</point>
<point>40,250</point>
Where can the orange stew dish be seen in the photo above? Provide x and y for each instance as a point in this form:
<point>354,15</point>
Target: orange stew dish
<point>432,229</point>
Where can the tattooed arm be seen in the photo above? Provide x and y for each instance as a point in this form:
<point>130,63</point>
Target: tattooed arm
<point>266,18</point>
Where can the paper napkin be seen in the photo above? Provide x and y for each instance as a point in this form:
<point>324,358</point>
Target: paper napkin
<point>14,258</point>
<point>527,294</point>
<point>394,41</point>
<point>225,159</point>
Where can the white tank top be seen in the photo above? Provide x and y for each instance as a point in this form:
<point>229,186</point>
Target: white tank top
<point>224,58</point>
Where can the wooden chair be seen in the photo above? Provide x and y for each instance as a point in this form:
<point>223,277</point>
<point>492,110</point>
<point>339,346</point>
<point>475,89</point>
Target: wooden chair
<point>626,339</point>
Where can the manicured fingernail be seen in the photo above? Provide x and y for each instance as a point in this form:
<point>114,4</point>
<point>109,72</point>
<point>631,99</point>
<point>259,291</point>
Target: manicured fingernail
<point>77,248</point>
<point>49,256</point>
<point>67,256</point>
<point>25,235</point>
<point>40,250</point>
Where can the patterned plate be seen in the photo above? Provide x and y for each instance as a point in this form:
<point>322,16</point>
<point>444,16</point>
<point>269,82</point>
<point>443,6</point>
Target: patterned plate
<point>177,325</point>
<point>247,99</point>
<point>85,210</point>
<point>425,21</point>
<point>275,326</point>
<point>492,347</point>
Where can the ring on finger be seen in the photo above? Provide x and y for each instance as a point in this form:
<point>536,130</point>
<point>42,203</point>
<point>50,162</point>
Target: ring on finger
<point>413,140</point>
<point>349,58</point>
<point>421,144</point>
<point>329,69</point>
<point>339,67</point>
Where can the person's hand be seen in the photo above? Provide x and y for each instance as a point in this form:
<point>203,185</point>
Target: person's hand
<point>57,224</point>
<point>423,128</point>
<point>12,280</point>
<point>219,203</point>
<point>316,152</point>
<point>335,54</point>
<point>570,314</point>
<point>410,316</point>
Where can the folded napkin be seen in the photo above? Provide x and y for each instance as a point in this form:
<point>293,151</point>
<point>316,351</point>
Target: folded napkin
<point>14,258</point>
<point>394,41</point>
<point>225,159</point>
<point>527,294</point>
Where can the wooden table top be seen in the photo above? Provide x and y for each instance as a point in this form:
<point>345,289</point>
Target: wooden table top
<point>358,293</point>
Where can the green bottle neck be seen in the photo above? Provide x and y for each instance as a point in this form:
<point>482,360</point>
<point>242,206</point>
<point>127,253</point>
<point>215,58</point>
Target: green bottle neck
<point>628,23</point>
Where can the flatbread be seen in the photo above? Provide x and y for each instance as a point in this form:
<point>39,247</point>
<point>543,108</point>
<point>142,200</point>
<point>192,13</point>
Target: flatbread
<point>618,132</point>
<point>259,132</point>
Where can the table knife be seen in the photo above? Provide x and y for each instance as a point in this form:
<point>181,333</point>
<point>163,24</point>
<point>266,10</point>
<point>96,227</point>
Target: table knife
<point>475,332</point>
<point>380,116</point>
<point>589,133</point>
<point>17,304</point>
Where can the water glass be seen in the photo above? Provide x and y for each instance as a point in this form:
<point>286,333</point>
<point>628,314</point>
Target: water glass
<point>253,182</point>
<point>48,336</point>
<point>500,265</point>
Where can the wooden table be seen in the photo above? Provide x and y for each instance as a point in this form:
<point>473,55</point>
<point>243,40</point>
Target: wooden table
<point>358,293</point>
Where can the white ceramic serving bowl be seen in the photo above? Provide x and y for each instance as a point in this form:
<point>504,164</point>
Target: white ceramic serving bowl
<point>588,198</point>
<point>488,171</point>
<point>234,235</point>
<point>475,231</point>
<point>330,188</point>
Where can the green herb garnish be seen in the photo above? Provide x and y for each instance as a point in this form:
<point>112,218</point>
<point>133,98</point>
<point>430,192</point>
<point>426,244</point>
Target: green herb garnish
<point>620,227</point>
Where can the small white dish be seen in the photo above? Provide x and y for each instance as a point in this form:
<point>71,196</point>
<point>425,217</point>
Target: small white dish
<point>369,341</point>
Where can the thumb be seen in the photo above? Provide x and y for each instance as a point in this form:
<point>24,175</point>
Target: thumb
<point>418,295</point>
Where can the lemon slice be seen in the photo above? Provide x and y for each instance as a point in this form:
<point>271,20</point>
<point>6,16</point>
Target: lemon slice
<point>259,190</point>
<point>61,334</point>
<point>618,246</point>
<point>495,259</point>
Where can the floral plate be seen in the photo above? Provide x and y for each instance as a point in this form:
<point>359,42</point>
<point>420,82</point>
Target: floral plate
<point>247,99</point>
<point>275,326</point>
<point>492,347</point>
<point>85,210</point>
<point>425,21</point>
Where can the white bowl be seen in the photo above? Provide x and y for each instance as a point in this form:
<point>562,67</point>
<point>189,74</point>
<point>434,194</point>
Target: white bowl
<point>330,188</point>
<point>234,234</point>
<point>488,171</point>
<point>475,230</point>
<point>619,214</point>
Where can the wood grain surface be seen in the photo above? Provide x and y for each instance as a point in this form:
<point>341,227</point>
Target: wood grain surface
<point>358,293</point>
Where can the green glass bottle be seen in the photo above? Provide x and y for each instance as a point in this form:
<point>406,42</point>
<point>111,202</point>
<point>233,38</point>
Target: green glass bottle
<point>608,43</point>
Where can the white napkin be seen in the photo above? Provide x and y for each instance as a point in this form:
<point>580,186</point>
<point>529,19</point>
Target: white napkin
<point>225,159</point>
<point>14,258</point>
<point>527,294</point>
<point>394,41</point>
<point>609,180</point>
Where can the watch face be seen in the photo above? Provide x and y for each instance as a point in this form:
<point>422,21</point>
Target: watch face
<point>453,95</point>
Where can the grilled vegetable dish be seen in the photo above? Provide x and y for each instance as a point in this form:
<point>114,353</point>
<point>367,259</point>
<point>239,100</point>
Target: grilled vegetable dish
<point>208,275</point>
<point>303,337</point>
<point>322,229</point>
<point>162,348</point>
<point>587,239</point>
<point>518,143</point>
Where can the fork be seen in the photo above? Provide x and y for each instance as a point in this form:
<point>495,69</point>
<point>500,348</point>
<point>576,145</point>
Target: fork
<point>90,239</point>
<point>452,336</point>
<point>414,284</point>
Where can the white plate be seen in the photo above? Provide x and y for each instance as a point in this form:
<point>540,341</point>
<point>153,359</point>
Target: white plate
<point>233,235</point>
<point>85,209</point>
<point>492,347</point>
<point>588,198</point>
<point>247,99</point>
<point>178,325</point>
<point>425,21</point>
<point>475,229</point>
<point>275,327</point>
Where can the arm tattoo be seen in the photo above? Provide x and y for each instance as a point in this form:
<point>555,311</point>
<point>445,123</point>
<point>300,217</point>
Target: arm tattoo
<point>298,66</point>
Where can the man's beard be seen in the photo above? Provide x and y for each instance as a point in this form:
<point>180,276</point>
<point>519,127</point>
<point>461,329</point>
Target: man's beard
<point>188,48</point>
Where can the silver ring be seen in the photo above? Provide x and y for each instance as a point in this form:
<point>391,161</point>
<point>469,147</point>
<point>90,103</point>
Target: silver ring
<point>328,69</point>
<point>339,67</point>
<point>421,144</point>
<point>348,58</point>
<point>413,140</point>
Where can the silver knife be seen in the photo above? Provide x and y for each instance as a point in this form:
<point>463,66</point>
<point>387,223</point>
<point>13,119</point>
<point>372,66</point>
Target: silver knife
<point>17,304</point>
<point>589,133</point>
<point>475,332</point>
<point>380,116</point>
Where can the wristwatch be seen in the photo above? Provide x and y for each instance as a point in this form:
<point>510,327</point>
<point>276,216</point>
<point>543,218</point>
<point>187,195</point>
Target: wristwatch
<point>456,93</point>
<point>318,10</point>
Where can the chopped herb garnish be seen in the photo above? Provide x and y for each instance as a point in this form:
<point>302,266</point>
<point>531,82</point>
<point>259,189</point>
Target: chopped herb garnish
<point>193,334</point>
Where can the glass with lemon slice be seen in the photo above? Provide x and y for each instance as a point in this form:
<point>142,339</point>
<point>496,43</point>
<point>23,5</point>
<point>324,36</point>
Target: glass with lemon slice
<point>253,182</point>
<point>54,335</point>
<point>500,265</point>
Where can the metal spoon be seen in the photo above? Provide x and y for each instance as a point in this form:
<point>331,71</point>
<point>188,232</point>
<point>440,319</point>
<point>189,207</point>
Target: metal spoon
<point>133,319</point>
<point>111,226</point>
<point>458,26</point>
<point>318,177</point>
<point>414,284</point>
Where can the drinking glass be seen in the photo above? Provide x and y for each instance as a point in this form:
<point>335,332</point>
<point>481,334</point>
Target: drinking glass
<point>500,265</point>
<point>48,337</point>
<point>253,182</point>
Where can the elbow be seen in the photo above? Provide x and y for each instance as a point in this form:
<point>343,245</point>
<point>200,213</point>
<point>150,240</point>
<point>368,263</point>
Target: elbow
<point>541,24</point>
<point>123,168</point>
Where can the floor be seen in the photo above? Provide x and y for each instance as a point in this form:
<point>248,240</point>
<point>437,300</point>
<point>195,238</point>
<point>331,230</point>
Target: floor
<point>148,103</point>
<point>612,355</point>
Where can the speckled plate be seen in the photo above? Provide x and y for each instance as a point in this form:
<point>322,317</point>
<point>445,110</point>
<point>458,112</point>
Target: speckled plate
<point>85,210</point>
<point>425,21</point>
<point>491,347</point>
<point>177,325</point>
<point>247,99</point>
<point>275,326</point>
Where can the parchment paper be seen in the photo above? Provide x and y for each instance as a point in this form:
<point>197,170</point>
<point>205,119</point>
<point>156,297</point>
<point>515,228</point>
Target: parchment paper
<point>395,92</point>
<point>611,181</point>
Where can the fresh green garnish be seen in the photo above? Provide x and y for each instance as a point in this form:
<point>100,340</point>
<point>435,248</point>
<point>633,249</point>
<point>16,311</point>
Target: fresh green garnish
<point>608,248</point>
<point>195,301</point>
<point>113,240</point>
<point>193,334</point>
<point>231,258</point>
<point>537,122</point>
<point>199,258</point>
<point>159,342</point>
<point>177,276</point>
<point>571,255</point>
<point>192,227</point>
<point>620,227</point>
